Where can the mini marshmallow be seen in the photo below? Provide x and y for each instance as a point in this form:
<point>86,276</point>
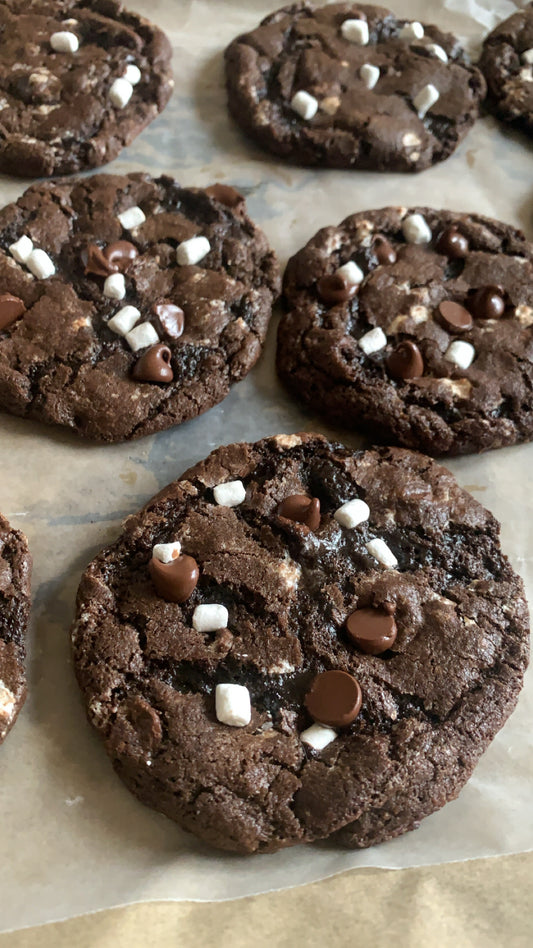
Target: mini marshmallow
<point>192,251</point>
<point>40,264</point>
<point>132,217</point>
<point>123,321</point>
<point>382,553</point>
<point>461,353</point>
<point>351,273</point>
<point>352,513</point>
<point>64,42</point>
<point>166,552</point>
<point>415,230</point>
<point>355,31</point>
<point>132,74</point>
<point>425,99</point>
<point>121,92</point>
<point>210,617</point>
<point>527,57</point>
<point>318,736</point>
<point>369,74</point>
<point>437,51</point>
<point>372,341</point>
<point>142,336</point>
<point>232,705</point>
<point>115,286</point>
<point>304,104</point>
<point>412,31</point>
<point>22,249</point>
<point>230,494</point>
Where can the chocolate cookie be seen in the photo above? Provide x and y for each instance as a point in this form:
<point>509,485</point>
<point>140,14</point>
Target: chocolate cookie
<point>415,326</point>
<point>128,304</point>
<point>15,575</point>
<point>79,79</point>
<point>507,64</point>
<point>352,86</point>
<point>294,639</point>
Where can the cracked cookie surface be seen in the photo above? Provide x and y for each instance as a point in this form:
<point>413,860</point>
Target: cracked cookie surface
<point>507,64</point>
<point>15,575</point>
<point>432,698</point>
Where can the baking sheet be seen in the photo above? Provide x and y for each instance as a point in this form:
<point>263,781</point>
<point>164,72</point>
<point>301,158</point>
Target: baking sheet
<point>73,840</point>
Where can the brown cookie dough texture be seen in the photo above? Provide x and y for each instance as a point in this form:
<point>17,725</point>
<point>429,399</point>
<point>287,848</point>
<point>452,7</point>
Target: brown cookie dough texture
<point>364,83</point>
<point>15,575</point>
<point>507,64</point>
<point>61,109</point>
<point>402,725</point>
<point>197,327</point>
<point>443,379</point>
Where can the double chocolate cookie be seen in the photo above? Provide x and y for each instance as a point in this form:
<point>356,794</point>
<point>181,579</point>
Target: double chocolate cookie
<point>79,79</point>
<point>15,576</point>
<point>507,63</point>
<point>352,86</point>
<point>415,326</point>
<point>128,304</point>
<point>294,640</point>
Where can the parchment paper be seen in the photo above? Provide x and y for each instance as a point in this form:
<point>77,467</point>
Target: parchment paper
<point>73,840</point>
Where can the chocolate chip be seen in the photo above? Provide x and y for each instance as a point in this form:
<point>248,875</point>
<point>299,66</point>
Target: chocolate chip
<point>174,581</point>
<point>333,288</point>
<point>154,365</point>
<point>301,509</point>
<point>372,630</point>
<point>453,244</point>
<point>384,251</point>
<point>171,318</point>
<point>226,195</point>
<point>405,361</point>
<point>488,303</point>
<point>11,307</point>
<point>335,698</point>
<point>96,263</point>
<point>455,317</point>
<point>120,254</point>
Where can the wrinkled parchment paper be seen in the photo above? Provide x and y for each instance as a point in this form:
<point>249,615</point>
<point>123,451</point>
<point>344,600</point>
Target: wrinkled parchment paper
<point>72,838</point>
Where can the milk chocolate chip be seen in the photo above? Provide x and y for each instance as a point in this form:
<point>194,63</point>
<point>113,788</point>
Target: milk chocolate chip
<point>384,251</point>
<point>488,303</point>
<point>96,263</point>
<point>335,698</point>
<point>154,365</point>
<point>177,580</point>
<point>171,318</point>
<point>453,244</point>
<point>333,288</point>
<point>120,254</point>
<point>455,317</point>
<point>11,307</point>
<point>225,195</point>
<point>373,631</point>
<point>405,361</point>
<point>301,509</point>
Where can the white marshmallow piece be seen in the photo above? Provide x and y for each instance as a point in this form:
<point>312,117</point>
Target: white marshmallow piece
<point>166,552</point>
<point>437,51</point>
<point>415,229</point>
<point>64,42</point>
<point>461,353</point>
<point>355,31</point>
<point>351,273</point>
<point>120,92</point>
<point>132,217</point>
<point>132,74</point>
<point>230,494</point>
<point>123,321</point>
<point>318,736</point>
<point>370,75</point>
<point>412,31</point>
<point>373,341</point>
<point>232,705</point>
<point>352,513</point>
<point>192,251</point>
<point>527,57</point>
<point>425,99</point>
<point>305,105</point>
<point>382,553</point>
<point>115,286</point>
<point>40,264</point>
<point>142,336</point>
<point>210,617</point>
<point>22,249</point>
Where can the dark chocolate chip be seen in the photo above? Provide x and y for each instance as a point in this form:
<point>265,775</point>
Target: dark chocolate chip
<point>488,303</point>
<point>373,631</point>
<point>455,317</point>
<point>11,307</point>
<point>453,244</point>
<point>226,195</point>
<point>405,361</point>
<point>154,365</point>
<point>384,251</point>
<point>120,254</point>
<point>335,698</point>
<point>171,318</point>
<point>96,263</point>
<point>333,288</point>
<point>301,509</point>
<point>177,580</point>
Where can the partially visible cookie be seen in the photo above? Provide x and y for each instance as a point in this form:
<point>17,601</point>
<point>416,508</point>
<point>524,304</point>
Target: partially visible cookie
<point>415,326</point>
<point>127,303</point>
<point>79,79</point>
<point>295,639</point>
<point>352,86</point>
<point>507,64</point>
<point>15,576</point>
